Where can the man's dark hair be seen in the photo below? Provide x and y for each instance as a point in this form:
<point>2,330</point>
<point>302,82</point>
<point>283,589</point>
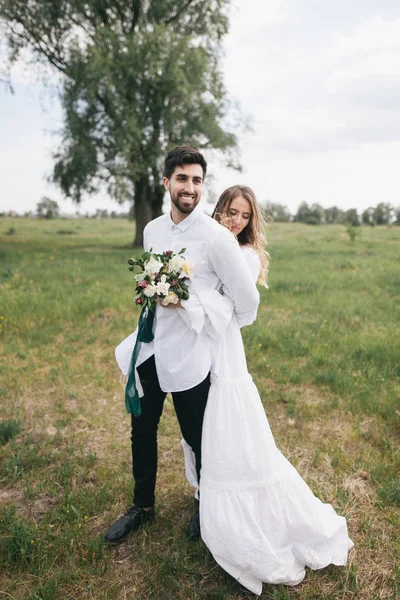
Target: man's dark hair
<point>183,155</point>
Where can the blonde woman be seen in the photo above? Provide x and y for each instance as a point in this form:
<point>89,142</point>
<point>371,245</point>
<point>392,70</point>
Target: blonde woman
<point>259,519</point>
<point>238,210</point>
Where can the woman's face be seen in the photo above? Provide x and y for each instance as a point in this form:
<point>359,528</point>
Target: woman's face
<point>238,215</point>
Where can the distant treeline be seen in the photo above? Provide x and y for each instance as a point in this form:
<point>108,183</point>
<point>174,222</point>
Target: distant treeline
<point>49,209</point>
<point>315,214</point>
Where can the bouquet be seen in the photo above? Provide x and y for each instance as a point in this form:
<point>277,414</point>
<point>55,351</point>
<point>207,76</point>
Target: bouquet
<point>162,276</point>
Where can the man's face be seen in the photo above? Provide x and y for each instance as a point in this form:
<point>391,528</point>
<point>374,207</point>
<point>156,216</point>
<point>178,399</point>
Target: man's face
<point>185,188</point>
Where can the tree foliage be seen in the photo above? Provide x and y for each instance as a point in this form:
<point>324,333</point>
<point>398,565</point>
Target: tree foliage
<point>277,212</point>
<point>333,214</point>
<point>312,215</point>
<point>367,217</point>
<point>47,208</point>
<point>317,215</point>
<point>138,77</point>
<point>383,214</point>
<point>351,217</point>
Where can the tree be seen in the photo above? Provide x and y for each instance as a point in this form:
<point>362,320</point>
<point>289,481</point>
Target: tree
<point>352,232</point>
<point>137,78</point>
<point>333,215</point>
<point>351,217</point>
<point>367,217</point>
<point>278,212</point>
<point>313,215</point>
<point>47,208</point>
<point>383,214</point>
<point>303,213</point>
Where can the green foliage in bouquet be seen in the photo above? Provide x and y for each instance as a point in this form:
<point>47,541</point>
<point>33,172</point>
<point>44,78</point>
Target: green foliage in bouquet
<point>161,277</point>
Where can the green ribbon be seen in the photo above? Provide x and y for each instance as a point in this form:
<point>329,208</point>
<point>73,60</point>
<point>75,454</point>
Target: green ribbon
<point>144,334</point>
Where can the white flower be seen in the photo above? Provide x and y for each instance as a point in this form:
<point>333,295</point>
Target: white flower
<point>175,264</point>
<point>152,266</point>
<point>187,269</point>
<point>162,286</point>
<point>149,291</point>
<point>171,298</point>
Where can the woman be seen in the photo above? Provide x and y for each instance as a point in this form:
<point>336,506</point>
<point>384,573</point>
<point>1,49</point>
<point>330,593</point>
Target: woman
<point>258,517</point>
<point>238,210</point>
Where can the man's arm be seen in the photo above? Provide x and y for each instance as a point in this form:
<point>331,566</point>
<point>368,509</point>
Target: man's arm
<point>230,265</point>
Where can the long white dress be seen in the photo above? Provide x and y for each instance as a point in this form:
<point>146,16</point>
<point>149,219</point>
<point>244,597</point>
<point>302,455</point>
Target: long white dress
<point>258,517</point>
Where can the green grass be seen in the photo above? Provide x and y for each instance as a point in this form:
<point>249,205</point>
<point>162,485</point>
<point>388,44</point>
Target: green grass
<point>8,430</point>
<point>324,353</point>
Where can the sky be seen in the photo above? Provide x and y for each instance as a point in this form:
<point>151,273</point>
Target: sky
<point>319,81</point>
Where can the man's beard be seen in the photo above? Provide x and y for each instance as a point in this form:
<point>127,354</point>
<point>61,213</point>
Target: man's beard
<point>181,206</point>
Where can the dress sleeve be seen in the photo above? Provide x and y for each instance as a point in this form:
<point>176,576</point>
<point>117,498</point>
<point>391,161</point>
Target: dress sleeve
<point>193,313</point>
<point>207,309</point>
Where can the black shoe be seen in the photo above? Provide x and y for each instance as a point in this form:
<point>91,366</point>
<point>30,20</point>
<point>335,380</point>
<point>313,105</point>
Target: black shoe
<point>193,531</point>
<point>134,518</point>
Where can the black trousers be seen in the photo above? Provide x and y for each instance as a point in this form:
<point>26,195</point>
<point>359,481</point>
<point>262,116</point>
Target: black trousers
<point>189,407</point>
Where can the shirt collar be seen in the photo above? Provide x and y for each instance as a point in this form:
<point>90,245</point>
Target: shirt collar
<point>187,221</point>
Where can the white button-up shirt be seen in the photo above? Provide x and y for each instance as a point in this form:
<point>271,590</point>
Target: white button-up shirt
<point>182,355</point>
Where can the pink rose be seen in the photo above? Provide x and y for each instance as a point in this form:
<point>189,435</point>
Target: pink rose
<point>175,282</point>
<point>168,252</point>
<point>143,284</point>
<point>139,300</point>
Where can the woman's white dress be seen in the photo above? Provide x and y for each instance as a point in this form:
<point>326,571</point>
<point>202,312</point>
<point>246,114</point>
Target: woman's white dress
<point>258,517</point>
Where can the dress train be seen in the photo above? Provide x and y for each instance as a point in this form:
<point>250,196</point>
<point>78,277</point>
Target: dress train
<point>258,517</point>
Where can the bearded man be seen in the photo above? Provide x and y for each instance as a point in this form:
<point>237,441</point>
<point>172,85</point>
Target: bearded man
<point>178,360</point>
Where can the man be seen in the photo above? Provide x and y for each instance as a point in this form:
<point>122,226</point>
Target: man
<point>179,358</point>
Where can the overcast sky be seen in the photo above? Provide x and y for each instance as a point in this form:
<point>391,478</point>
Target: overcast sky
<point>320,80</point>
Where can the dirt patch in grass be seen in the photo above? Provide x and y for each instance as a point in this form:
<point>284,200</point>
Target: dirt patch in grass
<point>104,316</point>
<point>309,394</point>
<point>305,393</point>
<point>11,495</point>
<point>34,510</point>
<point>41,506</point>
<point>266,384</point>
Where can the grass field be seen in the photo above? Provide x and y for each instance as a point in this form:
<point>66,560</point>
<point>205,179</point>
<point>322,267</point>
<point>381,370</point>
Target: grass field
<point>324,353</point>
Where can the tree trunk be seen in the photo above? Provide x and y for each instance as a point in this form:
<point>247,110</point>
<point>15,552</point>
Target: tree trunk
<point>157,201</point>
<point>143,208</point>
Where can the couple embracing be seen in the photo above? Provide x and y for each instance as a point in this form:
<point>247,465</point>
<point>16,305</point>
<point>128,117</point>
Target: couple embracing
<point>257,516</point>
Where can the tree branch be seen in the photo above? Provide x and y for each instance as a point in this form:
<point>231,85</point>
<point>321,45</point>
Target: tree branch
<point>177,14</point>
<point>40,46</point>
<point>36,40</point>
<point>136,12</point>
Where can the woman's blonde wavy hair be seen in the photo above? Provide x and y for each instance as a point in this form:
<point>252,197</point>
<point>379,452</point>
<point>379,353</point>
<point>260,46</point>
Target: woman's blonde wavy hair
<point>253,234</point>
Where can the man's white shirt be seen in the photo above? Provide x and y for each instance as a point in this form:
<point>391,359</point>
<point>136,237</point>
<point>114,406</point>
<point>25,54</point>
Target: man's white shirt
<point>183,355</point>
